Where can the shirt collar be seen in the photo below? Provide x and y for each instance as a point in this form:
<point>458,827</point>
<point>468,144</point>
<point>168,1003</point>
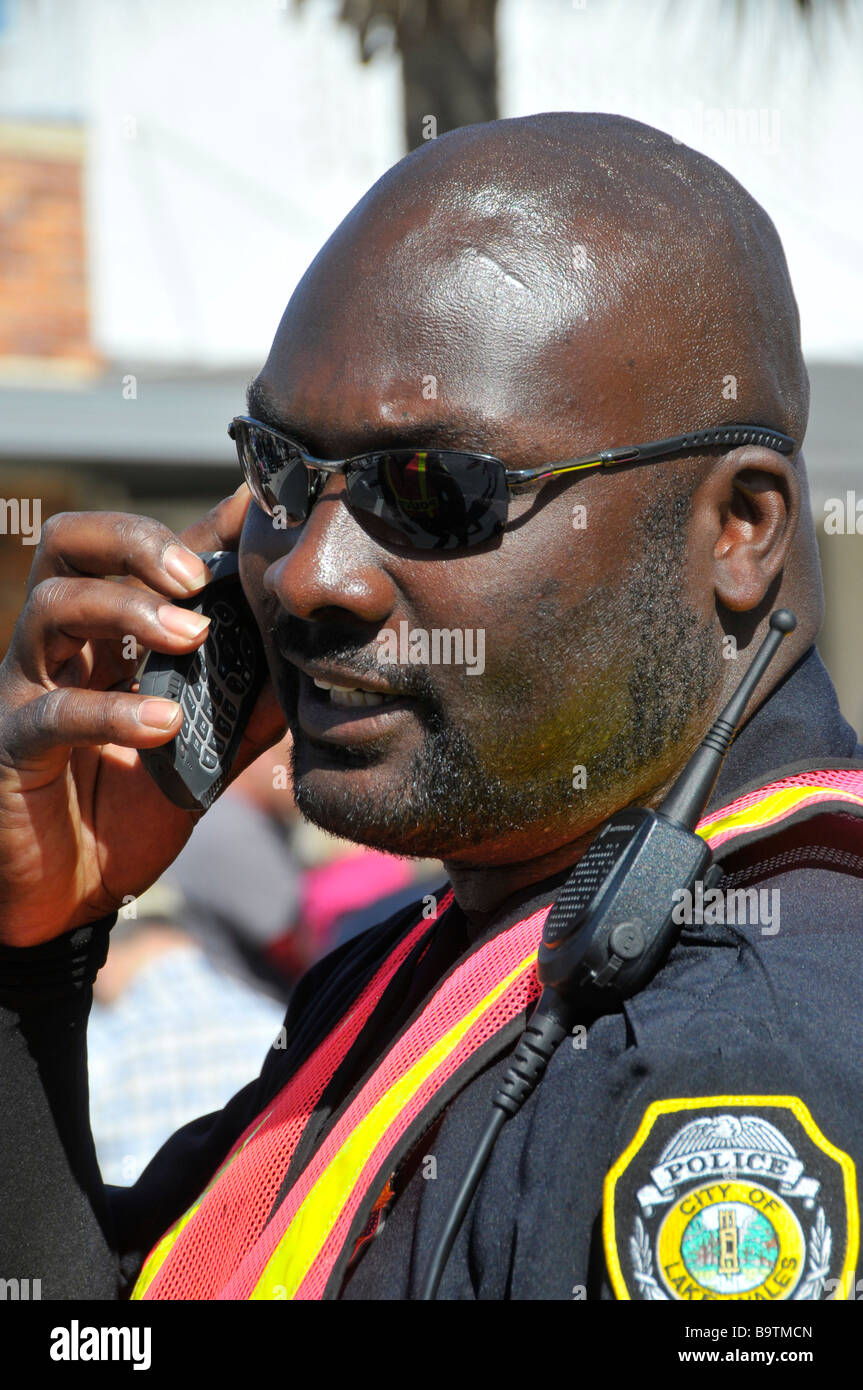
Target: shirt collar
<point>800,721</point>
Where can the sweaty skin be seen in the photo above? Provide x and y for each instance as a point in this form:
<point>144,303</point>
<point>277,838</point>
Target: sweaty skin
<point>536,289</point>
<point>570,282</point>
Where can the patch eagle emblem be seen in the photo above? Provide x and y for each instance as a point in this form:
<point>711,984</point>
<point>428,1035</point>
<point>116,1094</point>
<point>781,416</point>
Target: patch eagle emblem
<point>746,1199</point>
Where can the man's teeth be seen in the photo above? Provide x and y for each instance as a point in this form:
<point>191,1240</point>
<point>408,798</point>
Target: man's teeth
<point>350,695</point>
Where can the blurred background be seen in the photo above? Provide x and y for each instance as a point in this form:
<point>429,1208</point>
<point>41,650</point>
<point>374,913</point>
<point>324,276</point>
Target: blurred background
<point>167,171</point>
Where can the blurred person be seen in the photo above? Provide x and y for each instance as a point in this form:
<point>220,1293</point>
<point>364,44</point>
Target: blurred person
<point>171,1036</point>
<point>241,882</point>
<point>348,887</point>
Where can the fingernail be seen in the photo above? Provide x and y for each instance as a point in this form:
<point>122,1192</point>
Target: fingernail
<point>158,714</point>
<point>181,623</point>
<point>185,567</point>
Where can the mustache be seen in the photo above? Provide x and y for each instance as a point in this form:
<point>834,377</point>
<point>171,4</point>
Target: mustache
<point>340,645</point>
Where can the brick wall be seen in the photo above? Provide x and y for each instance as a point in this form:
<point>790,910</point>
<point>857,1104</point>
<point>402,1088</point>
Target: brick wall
<point>43,263</point>
<point>55,492</point>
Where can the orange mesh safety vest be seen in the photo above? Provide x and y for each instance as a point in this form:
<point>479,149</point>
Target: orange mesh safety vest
<point>227,1247</point>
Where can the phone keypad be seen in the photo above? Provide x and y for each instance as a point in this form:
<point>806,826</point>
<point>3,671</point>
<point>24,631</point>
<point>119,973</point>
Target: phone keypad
<point>221,669</point>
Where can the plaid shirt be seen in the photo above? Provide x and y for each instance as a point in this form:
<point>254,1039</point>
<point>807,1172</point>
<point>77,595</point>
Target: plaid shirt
<point>179,1043</point>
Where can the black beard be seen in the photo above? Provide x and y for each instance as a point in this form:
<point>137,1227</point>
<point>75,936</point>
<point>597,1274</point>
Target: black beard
<point>447,799</point>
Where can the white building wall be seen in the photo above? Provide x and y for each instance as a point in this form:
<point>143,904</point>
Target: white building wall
<point>228,140</point>
<point>777,101</point>
<point>42,59</point>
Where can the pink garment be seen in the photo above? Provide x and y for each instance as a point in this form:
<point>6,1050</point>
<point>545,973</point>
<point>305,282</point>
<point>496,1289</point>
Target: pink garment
<point>346,885</point>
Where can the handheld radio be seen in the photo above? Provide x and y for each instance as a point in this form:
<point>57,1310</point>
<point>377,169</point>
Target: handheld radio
<point>611,926</point>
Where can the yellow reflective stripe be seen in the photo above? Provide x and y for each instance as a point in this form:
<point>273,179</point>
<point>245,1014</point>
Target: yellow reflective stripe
<point>160,1252</point>
<point>302,1242</point>
<point>776,804</point>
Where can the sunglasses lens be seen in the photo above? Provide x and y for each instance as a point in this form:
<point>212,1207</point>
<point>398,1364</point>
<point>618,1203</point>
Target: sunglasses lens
<point>275,472</point>
<point>432,500</point>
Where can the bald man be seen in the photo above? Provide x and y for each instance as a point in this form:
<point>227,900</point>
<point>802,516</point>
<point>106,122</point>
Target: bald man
<point>562,357</point>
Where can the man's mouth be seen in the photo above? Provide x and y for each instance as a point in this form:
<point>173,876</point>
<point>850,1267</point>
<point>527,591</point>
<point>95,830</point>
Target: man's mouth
<point>353,696</point>
<point>334,705</point>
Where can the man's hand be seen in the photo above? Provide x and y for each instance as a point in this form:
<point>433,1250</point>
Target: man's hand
<point>82,824</point>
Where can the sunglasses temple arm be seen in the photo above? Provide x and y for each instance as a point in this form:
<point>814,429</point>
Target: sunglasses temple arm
<point>731,436</point>
<point>609,459</point>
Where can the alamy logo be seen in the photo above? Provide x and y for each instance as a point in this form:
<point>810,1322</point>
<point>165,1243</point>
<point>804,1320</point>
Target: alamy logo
<point>735,906</point>
<point>20,1289</point>
<point>843,516</point>
<point>76,1343</point>
<point>441,646</point>
<point>21,516</point>
<point>737,125</point>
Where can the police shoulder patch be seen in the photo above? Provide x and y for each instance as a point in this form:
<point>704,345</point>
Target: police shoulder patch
<point>731,1197</point>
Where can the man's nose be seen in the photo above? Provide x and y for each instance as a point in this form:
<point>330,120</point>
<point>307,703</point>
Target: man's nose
<point>331,563</point>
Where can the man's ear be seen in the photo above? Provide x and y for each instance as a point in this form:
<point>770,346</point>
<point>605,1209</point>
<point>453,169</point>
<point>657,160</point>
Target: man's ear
<point>750,503</point>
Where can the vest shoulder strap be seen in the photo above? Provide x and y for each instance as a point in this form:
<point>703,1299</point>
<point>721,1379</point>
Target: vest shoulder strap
<point>807,809</point>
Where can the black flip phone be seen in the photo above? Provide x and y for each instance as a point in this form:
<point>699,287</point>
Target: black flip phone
<point>215,686</point>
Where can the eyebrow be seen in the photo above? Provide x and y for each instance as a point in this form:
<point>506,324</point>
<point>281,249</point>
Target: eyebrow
<point>434,434</point>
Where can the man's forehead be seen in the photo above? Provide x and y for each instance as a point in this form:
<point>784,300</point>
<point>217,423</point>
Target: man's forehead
<point>581,312</point>
<point>437,428</point>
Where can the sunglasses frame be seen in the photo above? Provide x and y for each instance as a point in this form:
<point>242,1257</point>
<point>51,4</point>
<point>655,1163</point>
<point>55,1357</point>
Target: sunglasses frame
<point>731,436</point>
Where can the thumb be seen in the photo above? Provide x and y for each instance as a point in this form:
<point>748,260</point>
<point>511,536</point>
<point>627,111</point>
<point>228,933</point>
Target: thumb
<point>220,528</point>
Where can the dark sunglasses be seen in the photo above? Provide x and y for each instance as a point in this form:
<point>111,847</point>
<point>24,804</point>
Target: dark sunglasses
<point>436,499</point>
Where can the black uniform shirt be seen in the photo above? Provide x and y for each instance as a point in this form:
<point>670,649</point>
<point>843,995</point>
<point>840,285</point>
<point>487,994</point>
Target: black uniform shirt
<point>716,1118</point>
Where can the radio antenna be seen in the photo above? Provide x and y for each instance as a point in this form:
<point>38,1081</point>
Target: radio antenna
<point>691,792</point>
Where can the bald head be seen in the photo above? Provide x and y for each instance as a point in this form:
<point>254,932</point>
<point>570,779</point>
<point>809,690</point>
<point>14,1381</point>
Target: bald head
<point>631,273</point>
